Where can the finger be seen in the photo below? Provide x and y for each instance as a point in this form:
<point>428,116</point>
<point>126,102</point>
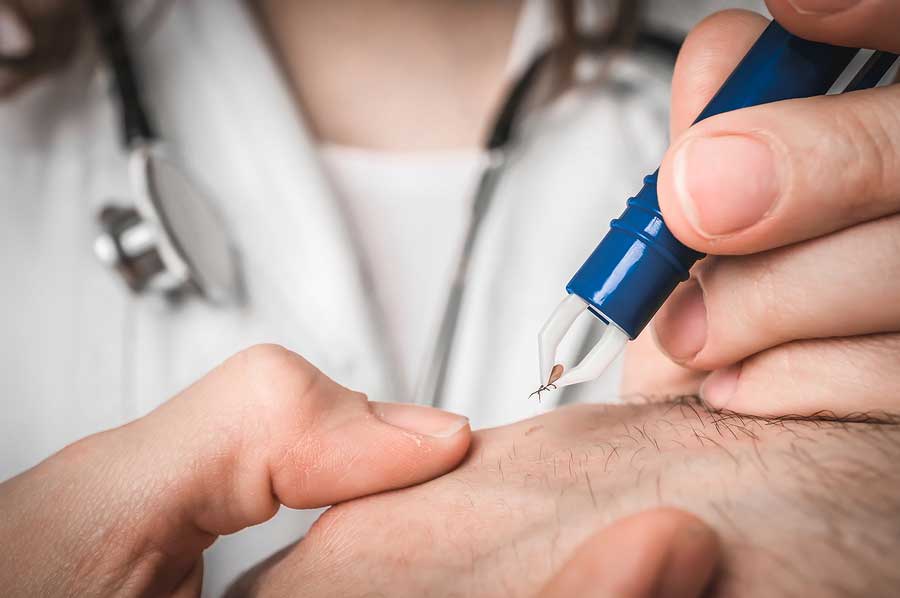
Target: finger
<point>265,428</point>
<point>279,431</point>
<point>861,375</point>
<point>735,307</point>
<point>248,583</point>
<point>709,53</point>
<point>856,23</point>
<point>660,553</point>
<point>192,584</point>
<point>776,174</point>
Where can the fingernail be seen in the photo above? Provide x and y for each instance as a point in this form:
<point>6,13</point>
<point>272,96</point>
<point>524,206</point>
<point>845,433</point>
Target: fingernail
<point>725,184</point>
<point>16,40</point>
<point>681,325</point>
<point>719,387</point>
<point>420,419</point>
<point>822,7</point>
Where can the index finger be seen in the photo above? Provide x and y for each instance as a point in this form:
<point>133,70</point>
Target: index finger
<point>711,51</point>
<point>856,23</point>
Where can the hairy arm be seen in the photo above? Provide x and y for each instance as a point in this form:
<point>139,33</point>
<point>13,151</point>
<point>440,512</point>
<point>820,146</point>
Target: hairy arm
<point>804,506</point>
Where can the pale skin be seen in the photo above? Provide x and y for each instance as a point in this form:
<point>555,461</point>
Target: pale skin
<point>129,512</point>
<point>801,509</point>
<point>394,75</point>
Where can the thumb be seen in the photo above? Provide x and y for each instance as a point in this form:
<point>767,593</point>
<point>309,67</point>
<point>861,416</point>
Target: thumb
<point>268,428</point>
<point>663,553</point>
<point>263,429</point>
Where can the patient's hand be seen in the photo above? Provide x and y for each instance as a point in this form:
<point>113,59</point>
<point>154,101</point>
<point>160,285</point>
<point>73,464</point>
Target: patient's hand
<point>803,508</point>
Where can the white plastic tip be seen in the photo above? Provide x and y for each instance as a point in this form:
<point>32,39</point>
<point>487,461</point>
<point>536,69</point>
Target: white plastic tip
<point>611,343</point>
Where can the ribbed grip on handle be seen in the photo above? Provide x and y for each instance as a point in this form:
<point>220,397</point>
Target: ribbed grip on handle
<point>639,262</point>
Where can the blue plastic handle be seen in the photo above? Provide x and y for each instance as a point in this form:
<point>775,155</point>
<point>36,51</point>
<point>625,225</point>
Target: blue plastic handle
<point>639,262</point>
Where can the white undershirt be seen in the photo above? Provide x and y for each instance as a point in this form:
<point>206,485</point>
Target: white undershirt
<point>409,212</point>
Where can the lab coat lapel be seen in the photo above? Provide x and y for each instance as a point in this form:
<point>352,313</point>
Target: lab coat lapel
<point>222,102</point>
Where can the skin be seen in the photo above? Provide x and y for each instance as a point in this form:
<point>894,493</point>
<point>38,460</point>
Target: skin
<point>807,292</point>
<point>801,509</point>
<point>398,76</point>
<point>129,511</point>
<point>661,552</point>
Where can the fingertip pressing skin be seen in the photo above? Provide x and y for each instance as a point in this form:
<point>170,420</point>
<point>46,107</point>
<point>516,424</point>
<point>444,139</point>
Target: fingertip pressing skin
<point>266,427</point>
<point>720,387</point>
<point>328,444</point>
<point>842,376</point>
<point>390,446</point>
<point>648,374</point>
<point>659,553</point>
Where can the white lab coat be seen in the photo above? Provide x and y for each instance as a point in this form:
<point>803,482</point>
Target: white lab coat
<point>80,354</point>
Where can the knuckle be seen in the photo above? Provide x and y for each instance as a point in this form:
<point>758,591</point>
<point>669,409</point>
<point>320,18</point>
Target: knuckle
<point>273,366</point>
<point>265,356</point>
<point>273,386</point>
<point>874,153</point>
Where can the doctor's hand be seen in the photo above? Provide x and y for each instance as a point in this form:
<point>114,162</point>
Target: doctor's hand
<point>130,511</point>
<point>798,204</point>
<point>661,552</point>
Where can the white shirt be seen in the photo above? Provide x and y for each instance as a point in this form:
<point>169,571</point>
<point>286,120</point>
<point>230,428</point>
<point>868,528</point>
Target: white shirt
<point>409,214</point>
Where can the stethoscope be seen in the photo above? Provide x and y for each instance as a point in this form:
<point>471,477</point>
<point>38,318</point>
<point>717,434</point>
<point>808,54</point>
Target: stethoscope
<point>172,240</point>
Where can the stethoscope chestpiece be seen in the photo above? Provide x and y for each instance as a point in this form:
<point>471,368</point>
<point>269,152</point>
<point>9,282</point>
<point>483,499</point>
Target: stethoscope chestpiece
<point>170,240</point>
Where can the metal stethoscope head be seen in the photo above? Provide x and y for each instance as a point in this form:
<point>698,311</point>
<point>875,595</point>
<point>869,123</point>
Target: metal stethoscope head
<point>169,238</point>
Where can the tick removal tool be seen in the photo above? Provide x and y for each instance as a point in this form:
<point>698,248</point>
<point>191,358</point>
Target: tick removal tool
<point>639,262</point>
